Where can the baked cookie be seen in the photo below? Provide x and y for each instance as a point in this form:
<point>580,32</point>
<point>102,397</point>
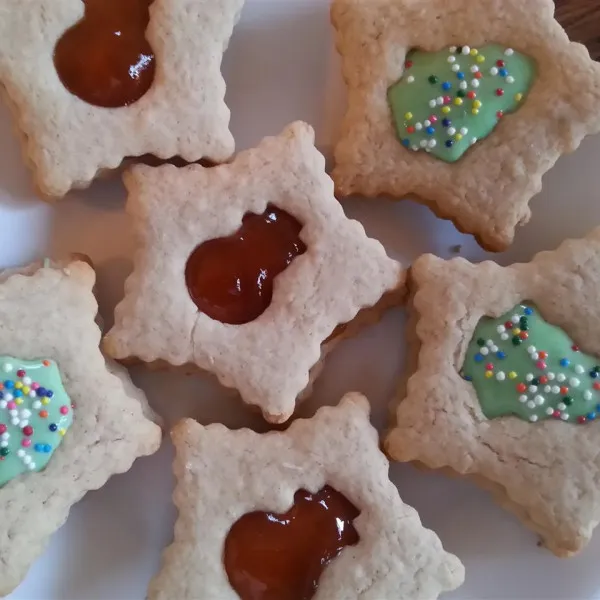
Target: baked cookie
<point>469,130</point>
<point>91,83</point>
<point>506,387</point>
<point>68,420</point>
<point>246,269</point>
<point>334,525</point>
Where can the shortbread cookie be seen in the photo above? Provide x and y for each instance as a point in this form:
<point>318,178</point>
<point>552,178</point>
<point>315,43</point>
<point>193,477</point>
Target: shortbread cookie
<point>84,98</point>
<point>68,420</point>
<point>507,384</point>
<point>363,542</point>
<point>464,105</point>
<point>246,269</point>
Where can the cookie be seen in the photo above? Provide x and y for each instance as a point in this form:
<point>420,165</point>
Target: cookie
<point>84,98</point>
<point>233,485</point>
<point>468,130</point>
<point>68,419</point>
<point>506,386</point>
<point>249,270</point>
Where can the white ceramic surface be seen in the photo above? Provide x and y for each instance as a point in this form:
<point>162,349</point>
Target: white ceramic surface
<point>281,66</point>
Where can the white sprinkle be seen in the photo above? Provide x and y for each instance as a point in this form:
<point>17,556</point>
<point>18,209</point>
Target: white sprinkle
<point>7,367</point>
<point>451,59</point>
<point>547,389</point>
<point>531,404</point>
<point>533,389</point>
<point>494,71</point>
<point>8,397</point>
<point>15,421</point>
<point>3,404</point>
<point>26,380</point>
<point>500,328</point>
<point>561,406</point>
<point>27,459</point>
<point>5,436</point>
<point>32,394</point>
<point>500,376</point>
<point>450,131</point>
<point>25,413</point>
<point>456,68</point>
<point>494,348</point>
<point>31,466</point>
<point>432,143</point>
<point>485,351</point>
<point>474,69</point>
<point>37,405</point>
<point>510,79</point>
<point>414,148</point>
<point>464,131</point>
<point>466,50</point>
<point>551,376</point>
<point>423,143</point>
<point>523,398</point>
<point>13,413</point>
<point>439,100</point>
<point>535,355</point>
<point>474,141</point>
<point>529,377</point>
<point>549,410</point>
<point>3,444</point>
<point>533,418</point>
<point>20,453</point>
<point>574,382</point>
<point>587,395</point>
<point>427,149</point>
<point>475,83</point>
<point>565,416</point>
<point>509,52</point>
<point>23,423</point>
<point>432,103</point>
<point>426,122</point>
<point>555,389</point>
<point>418,126</point>
<point>561,377</point>
<point>531,349</point>
<point>410,79</point>
<point>503,336</point>
<point>463,85</point>
<point>453,49</point>
<point>515,319</point>
<point>539,400</point>
<point>579,369</point>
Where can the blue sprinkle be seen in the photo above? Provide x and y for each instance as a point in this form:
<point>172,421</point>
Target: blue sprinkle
<point>41,392</point>
<point>446,122</point>
<point>460,75</point>
<point>49,393</point>
<point>597,407</point>
<point>39,447</point>
<point>8,384</point>
<point>449,143</point>
<point>503,72</point>
<point>47,448</point>
<point>501,355</point>
<point>53,427</point>
<point>591,416</point>
<point>565,362</point>
<point>406,142</point>
<point>430,130</point>
<point>467,378</point>
<point>593,374</point>
<point>1,395</point>
<point>478,357</point>
<point>446,85</point>
<point>528,311</point>
<point>17,393</point>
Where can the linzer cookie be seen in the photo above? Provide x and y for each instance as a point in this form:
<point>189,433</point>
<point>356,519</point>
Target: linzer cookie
<point>305,513</point>
<point>462,105</point>
<point>95,81</point>
<point>506,388</point>
<point>68,420</point>
<point>246,269</point>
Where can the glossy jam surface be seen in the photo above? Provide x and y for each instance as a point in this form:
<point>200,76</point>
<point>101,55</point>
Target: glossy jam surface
<point>230,279</point>
<point>281,557</point>
<point>105,59</point>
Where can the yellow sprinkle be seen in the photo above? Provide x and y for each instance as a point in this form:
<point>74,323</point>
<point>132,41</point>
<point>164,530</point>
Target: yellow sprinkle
<point>62,432</point>
<point>458,137</point>
<point>518,97</point>
<point>476,103</point>
<point>408,116</point>
<point>46,401</point>
<point>458,101</point>
<point>489,374</point>
<point>481,58</point>
<point>26,389</point>
<point>516,331</point>
<point>475,111</point>
<point>512,375</point>
<point>474,52</point>
<point>19,385</point>
<point>446,109</point>
<point>19,401</point>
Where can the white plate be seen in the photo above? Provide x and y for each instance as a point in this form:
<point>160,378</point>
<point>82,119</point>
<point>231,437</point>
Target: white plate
<point>281,66</point>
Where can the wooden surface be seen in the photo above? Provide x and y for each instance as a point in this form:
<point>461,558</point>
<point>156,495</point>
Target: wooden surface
<point>581,19</point>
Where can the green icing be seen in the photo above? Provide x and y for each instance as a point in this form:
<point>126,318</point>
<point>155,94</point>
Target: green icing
<point>446,122</point>
<point>542,376</point>
<point>35,414</point>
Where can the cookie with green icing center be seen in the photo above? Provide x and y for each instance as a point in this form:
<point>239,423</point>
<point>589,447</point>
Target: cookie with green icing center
<point>35,414</point>
<point>446,101</point>
<point>521,365</point>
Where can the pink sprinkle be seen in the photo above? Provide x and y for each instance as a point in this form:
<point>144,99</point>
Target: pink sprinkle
<point>540,364</point>
<point>3,428</point>
<point>25,443</point>
<point>35,386</point>
<point>447,99</point>
<point>433,119</point>
<point>489,367</point>
<point>64,410</point>
<point>11,405</point>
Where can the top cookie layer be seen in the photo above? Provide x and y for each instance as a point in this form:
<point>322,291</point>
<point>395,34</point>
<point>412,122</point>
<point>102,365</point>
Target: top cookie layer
<point>488,190</point>
<point>67,141</point>
<point>267,360</point>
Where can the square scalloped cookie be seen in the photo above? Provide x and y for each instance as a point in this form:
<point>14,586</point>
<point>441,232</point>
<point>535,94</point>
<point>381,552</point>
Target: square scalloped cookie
<point>68,419</point>
<point>223,475</point>
<point>68,141</point>
<point>505,388</point>
<point>269,358</point>
<point>486,191</point>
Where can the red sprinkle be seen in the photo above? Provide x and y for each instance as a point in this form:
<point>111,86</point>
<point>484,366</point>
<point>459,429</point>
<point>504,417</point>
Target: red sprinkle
<point>597,385</point>
<point>508,325</point>
<point>521,387</point>
<point>28,430</point>
<point>543,379</point>
<point>410,129</point>
<point>523,335</point>
<point>20,373</point>
<point>564,390</point>
<point>499,114</point>
<point>575,348</point>
<point>556,414</point>
<point>408,64</point>
<point>499,92</point>
<point>581,419</point>
<point>46,363</point>
<point>543,355</point>
<point>447,99</point>
<point>500,63</point>
<point>478,75</point>
<point>471,95</point>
